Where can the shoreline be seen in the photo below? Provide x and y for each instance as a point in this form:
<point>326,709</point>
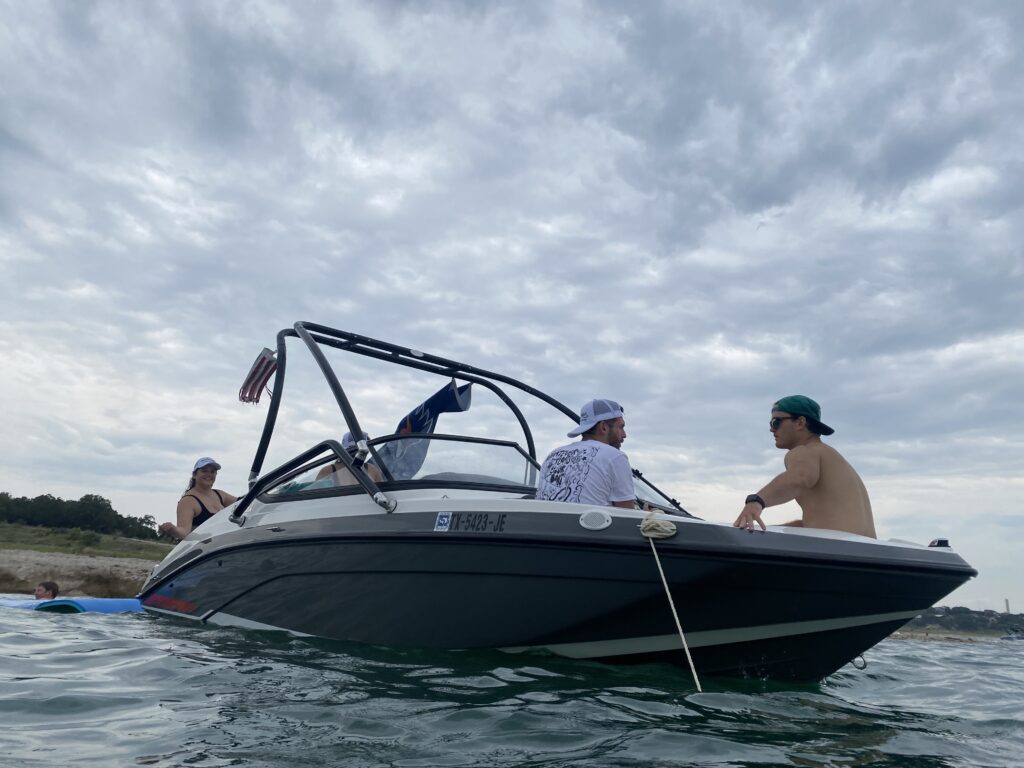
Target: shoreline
<point>76,575</point>
<point>944,635</point>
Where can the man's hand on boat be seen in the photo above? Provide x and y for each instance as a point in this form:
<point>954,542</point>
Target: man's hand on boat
<point>750,514</point>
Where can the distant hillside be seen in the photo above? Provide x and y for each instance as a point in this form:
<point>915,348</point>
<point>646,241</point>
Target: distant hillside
<point>965,620</point>
<point>90,513</point>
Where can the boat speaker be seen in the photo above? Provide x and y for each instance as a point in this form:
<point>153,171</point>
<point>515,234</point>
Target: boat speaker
<point>595,519</point>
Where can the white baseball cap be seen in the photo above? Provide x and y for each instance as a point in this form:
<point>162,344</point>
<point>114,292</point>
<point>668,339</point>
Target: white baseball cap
<point>206,461</point>
<point>594,411</point>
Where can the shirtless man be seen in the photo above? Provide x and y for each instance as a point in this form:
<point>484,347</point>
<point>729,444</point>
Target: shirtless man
<point>828,490</point>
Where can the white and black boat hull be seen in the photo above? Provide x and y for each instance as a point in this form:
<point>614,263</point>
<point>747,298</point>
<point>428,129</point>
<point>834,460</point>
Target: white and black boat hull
<point>488,575</point>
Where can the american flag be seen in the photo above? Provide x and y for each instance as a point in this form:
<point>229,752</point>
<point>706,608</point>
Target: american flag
<point>262,369</point>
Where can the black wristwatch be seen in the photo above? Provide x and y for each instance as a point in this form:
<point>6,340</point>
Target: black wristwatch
<point>758,499</point>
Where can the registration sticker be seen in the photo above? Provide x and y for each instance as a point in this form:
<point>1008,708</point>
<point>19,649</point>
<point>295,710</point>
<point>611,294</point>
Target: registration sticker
<point>444,520</point>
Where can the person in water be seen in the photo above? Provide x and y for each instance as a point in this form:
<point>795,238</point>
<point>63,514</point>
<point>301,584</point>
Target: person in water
<point>594,470</point>
<point>200,502</point>
<point>829,491</point>
<point>47,590</point>
<point>340,474</point>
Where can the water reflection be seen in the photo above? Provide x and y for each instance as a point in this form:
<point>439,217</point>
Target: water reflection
<point>149,691</point>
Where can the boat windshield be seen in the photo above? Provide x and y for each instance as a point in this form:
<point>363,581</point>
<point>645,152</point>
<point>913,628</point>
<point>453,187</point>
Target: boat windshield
<point>645,494</point>
<point>431,459</point>
<point>454,458</point>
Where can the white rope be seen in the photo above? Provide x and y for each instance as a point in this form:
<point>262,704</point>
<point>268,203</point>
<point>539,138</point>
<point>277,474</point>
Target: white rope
<point>662,529</point>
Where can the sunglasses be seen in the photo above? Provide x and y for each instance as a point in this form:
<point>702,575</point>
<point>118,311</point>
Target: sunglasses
<point>776,422</point>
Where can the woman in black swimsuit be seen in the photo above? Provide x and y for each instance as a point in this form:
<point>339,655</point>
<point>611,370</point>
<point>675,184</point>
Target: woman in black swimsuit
<point>200,502</point>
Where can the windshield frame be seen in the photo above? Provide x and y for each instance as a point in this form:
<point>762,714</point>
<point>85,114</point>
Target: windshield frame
<point>389,483</point>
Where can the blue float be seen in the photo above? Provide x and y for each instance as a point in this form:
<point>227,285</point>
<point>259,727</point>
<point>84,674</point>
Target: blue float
<point>77,605</point>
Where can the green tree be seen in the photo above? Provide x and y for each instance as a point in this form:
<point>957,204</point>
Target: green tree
<point>91,512</point>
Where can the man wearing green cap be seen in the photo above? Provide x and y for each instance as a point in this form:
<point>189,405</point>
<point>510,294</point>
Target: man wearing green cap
<point>828,490</point>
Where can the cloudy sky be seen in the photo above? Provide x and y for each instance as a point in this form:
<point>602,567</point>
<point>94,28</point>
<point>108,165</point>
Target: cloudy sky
<point>693,208</point>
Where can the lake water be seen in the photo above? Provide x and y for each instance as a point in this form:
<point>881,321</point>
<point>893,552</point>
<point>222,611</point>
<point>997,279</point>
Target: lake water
<point>138,690</point>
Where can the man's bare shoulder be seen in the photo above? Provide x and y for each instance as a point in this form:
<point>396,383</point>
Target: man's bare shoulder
<point>806,452</point>
<point>828,453</point>
<point>833,459</point>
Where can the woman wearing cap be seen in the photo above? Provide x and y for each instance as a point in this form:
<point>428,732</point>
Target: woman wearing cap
<point>340,474</point>
<point>200,502</point>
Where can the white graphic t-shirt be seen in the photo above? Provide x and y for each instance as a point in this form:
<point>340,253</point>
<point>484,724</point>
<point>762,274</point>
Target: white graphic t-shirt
<point>587,472</point>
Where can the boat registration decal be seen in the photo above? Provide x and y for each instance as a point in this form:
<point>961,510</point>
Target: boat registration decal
<point>470,521</point>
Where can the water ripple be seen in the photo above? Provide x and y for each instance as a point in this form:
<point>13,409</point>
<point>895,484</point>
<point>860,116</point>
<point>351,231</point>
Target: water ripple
<point>140,690</point>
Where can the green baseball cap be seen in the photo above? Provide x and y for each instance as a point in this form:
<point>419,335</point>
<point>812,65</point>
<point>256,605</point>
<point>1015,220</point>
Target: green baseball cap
<point>801,405</point>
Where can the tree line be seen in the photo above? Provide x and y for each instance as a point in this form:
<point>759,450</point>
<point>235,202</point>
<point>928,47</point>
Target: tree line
<point>89,513</point>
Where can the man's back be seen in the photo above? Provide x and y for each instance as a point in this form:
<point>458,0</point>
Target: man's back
<point>587,472</point>
<point>838,501</point>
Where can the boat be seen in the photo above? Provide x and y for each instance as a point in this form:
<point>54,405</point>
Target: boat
<point>450,550</point>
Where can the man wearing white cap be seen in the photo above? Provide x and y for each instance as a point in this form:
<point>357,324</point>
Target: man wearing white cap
<point>594,470</point>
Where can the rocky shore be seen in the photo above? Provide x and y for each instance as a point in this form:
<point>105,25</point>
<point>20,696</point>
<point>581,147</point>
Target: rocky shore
<point>77,575</point>
<point>945,635</point>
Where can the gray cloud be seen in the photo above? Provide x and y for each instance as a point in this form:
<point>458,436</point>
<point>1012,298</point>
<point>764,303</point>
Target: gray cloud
<point>691,208</point>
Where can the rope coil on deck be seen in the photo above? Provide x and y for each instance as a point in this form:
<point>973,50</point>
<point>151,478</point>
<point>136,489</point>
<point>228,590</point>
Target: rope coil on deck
<point>657,528</point>
<point>660,528</point>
